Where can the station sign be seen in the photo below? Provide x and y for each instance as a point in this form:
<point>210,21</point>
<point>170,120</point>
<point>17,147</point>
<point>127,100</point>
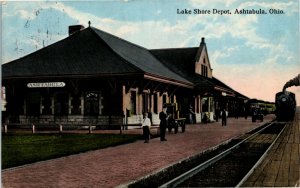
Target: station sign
<point>46,84</point>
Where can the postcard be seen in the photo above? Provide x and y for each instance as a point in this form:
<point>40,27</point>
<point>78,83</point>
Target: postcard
<point>100,66</point>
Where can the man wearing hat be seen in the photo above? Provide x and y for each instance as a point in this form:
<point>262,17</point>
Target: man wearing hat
<point>163,124</point>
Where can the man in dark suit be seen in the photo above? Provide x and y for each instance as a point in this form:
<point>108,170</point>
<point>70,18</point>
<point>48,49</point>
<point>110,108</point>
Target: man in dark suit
<point>163,124</point>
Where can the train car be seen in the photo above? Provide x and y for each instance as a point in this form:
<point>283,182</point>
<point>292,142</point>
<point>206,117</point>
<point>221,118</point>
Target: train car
<point>264,107</point>
<point>285,105</point>
<point>270,108</point>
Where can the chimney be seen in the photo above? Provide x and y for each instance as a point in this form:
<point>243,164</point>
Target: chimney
<point>75,28</point>
<point>203,40</point>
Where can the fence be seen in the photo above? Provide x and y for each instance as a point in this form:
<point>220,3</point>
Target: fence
<point>56,128</point>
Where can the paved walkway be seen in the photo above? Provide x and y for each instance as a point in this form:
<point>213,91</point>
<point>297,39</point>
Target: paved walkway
<point>122,164</point>
<point>281,166</point>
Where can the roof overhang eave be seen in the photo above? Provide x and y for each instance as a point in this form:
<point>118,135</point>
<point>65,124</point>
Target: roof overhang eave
<point>68,76</point>
<point>169,81</point>
<point>228,92</point>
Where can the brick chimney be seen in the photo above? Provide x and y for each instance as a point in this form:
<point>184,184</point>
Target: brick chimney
<point>75,28</point>
<point>203,40</point>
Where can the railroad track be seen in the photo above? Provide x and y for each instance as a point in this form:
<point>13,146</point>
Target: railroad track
<point>231,167</point>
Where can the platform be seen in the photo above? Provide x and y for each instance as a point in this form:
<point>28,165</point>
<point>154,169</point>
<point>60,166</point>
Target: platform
<point>281,166</point>
<point>120,165</point>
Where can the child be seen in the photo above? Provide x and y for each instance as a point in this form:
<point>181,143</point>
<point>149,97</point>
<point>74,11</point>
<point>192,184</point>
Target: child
<point>146,127</point>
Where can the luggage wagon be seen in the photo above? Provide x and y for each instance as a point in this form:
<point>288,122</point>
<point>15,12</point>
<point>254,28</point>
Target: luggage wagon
<point>174,119</point>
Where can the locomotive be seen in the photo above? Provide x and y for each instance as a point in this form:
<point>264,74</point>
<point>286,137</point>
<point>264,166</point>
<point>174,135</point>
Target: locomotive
<point>285,105</point>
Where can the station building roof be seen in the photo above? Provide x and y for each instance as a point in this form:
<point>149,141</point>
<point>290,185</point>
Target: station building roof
<point>91,52</point>
<point>182,61</point>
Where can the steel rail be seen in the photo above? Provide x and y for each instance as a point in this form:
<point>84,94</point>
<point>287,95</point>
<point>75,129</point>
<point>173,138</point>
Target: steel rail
<point>187,175</point>
<point>260,159</point>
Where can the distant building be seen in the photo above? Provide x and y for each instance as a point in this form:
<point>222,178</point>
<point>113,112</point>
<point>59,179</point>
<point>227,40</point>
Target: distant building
<point>95,77</point>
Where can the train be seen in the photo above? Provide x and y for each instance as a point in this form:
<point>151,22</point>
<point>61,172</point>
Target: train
<point>285,103</point>
<point>264,106</point>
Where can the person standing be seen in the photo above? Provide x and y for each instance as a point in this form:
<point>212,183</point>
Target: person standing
<point>191,115</point>
<point>224,118</point>
<point>146,127</point>
<point>163,124</point>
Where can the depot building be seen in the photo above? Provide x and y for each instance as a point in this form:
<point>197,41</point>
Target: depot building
<point>94,77</point>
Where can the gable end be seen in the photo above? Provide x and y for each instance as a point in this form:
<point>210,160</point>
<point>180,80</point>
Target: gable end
<point>202,64</point>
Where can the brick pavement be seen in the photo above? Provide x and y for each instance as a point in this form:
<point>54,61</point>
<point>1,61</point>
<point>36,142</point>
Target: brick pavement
<point>118,165</point>
<point>281,166</point>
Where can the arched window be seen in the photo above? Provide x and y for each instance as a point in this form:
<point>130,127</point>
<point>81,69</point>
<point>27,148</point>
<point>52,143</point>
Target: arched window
<point>91,103</point>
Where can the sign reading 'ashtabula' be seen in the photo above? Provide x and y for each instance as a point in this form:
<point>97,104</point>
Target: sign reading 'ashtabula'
<point>46,84</point>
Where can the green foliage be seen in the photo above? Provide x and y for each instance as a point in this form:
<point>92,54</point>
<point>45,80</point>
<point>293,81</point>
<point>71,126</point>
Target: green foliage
<point>28,148</point>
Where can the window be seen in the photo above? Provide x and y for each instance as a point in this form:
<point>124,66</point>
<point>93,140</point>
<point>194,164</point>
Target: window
<point>133,102</point>
<point>33,103</point>
<point>145,102</point>
<point>164,99</point>
<point>61,106</point>
<point>155,103</point>
<point>91,103</point>
<point>172,99</point>
<point>204,70</point>
<point>46,102</point>
<point>75,102</point>
<point>205,104</point>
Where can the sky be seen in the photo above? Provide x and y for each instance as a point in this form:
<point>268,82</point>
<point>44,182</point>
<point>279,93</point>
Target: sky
<point>255,54</point>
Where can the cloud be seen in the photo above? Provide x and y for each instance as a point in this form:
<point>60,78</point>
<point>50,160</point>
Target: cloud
<point>127,30</point>
<point>217,55</point>
<point>158,12</point>
<point>240,28</point>
<point>25,14</point>
<point>212,3</point>
<point>258,80</point>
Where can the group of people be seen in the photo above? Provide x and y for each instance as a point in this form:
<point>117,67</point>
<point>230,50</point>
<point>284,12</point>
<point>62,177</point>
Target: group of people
<point>146,125</point>
<point>163,116</point>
